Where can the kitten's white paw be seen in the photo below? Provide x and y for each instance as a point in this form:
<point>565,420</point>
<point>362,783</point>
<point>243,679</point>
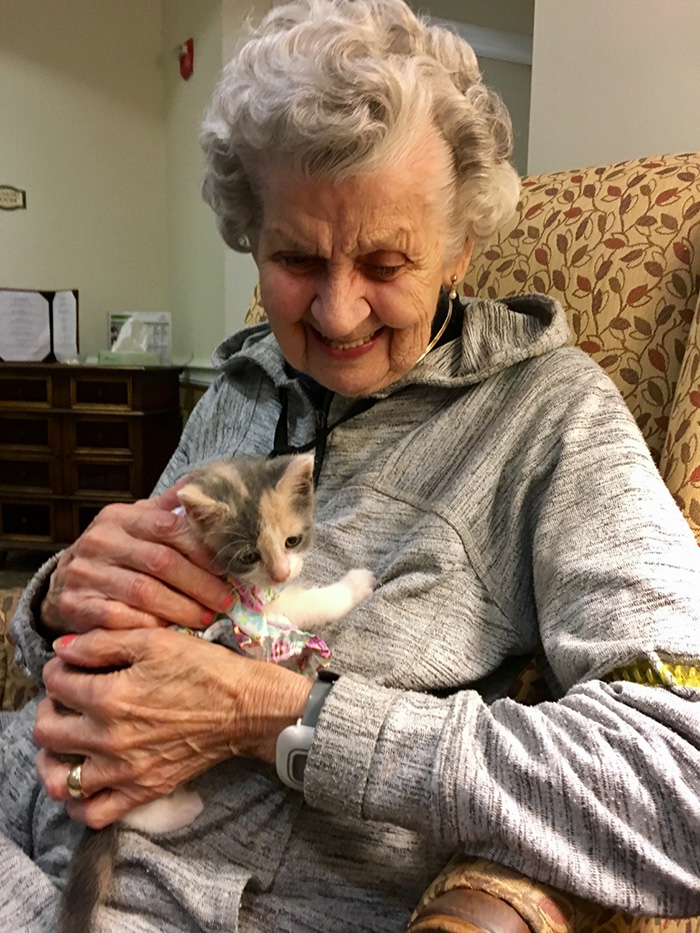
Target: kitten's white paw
<point>360,583</point>
<point>166,814</point>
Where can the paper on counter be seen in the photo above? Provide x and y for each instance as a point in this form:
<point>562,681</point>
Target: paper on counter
<point>25,328</point>
<point>65,326</point>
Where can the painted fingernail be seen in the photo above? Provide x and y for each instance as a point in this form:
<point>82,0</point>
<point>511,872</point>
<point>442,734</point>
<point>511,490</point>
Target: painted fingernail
<point>208,617</point>
<point>228,602</point>
<point>64,641</point>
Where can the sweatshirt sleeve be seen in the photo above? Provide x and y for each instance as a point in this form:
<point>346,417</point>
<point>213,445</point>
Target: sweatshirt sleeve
<point>32,650</point>
<point>597,793</point>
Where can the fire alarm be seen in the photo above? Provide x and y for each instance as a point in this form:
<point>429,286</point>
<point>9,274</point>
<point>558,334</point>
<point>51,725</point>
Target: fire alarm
<point>186,54</point>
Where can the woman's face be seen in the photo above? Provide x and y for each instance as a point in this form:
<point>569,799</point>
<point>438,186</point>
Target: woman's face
<point>350,271</point>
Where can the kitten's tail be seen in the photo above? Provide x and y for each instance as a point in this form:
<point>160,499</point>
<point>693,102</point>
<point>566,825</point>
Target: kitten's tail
<point>90,877</point>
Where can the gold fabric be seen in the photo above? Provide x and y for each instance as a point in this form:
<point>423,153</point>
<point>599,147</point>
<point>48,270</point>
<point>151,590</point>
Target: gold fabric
<point>680,459</point>
<point>255,313</point>
<point>15,688</point>
<point>619,247</point>
<point>543,908</point>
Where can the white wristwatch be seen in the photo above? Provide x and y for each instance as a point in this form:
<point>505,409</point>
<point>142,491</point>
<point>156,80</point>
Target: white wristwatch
<point>295,741</point>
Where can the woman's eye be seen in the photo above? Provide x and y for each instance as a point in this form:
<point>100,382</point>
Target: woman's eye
<point>249,558</point>
<point>383,272</point>
<point>293,541</point>
<point>298,263</point>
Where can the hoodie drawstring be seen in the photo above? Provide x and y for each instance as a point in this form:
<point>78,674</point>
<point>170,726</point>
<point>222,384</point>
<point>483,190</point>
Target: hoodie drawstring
<point>281,445</point>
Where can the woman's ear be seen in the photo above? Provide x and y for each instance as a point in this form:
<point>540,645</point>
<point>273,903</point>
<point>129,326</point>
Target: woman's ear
<point>463,259</point>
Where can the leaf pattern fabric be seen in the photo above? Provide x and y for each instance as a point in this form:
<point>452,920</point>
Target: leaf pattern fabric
<point>618,246</point>
<point>544,909</point>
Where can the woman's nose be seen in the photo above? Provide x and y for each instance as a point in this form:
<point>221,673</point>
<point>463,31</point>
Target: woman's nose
<point>340,305</point>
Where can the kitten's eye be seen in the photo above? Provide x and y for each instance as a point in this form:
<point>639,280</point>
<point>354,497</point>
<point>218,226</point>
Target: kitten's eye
<point>293,541</point>
<point>249,558</point>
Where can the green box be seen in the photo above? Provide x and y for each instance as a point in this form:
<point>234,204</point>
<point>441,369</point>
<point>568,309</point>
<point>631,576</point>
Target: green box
<point>115,358</point>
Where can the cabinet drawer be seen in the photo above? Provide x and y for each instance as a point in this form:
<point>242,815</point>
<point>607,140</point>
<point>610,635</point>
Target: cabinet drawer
<point>27,521</point>
<point>25,474</point>
<point>84,514</point>
<point>25,390</point>
<point>30,433</point>
<point>101,391</point>
<point>89,434</point>
<point>91,476</point>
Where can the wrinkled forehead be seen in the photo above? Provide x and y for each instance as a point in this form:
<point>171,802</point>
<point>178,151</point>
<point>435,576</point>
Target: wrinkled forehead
<point>384,209</point>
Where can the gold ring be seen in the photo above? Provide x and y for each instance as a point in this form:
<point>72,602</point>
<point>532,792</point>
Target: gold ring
<point>74,782</point>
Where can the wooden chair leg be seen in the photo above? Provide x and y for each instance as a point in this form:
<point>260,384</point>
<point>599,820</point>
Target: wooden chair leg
<point>465,911</point>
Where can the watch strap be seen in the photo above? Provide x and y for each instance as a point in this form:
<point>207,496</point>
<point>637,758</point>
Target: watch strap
<point>317,697</point>
<point>295,741</point>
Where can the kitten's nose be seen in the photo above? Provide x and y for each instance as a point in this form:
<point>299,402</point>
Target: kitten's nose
<point>281,569</point>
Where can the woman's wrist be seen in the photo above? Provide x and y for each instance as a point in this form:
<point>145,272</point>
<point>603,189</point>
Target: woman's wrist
<point>276,698</point>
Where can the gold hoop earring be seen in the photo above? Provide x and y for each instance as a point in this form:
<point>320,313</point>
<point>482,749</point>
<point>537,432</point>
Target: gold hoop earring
<point>448,317</point>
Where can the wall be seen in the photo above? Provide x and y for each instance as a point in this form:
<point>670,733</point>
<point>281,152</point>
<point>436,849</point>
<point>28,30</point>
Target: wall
<point>511,79</point>
<point>506,15</point>
<point>195,250</point>
<point>240,272</point>
<point>613,81</point>
<point>210,285</point>
<point>81,112</point>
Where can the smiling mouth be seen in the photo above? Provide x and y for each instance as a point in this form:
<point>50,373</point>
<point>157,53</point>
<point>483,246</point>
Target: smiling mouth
<point>349,344</point>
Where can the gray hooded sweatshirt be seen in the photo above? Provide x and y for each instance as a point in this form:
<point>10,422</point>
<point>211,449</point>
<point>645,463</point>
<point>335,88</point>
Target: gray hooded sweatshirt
<point>508,506</point>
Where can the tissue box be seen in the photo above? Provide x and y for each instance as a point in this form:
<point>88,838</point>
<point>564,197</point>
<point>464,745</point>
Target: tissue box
<point>153,328</point>
<point>115,358</point>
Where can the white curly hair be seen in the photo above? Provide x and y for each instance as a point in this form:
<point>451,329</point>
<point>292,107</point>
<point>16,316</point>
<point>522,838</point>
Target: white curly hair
<point>340,88</point>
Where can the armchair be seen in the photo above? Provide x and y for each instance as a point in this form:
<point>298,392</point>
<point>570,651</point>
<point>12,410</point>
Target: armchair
<point>619,247</point>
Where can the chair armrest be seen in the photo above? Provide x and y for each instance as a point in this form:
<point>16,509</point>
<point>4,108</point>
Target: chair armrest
<point>478,896</point>
<point>466,911</point>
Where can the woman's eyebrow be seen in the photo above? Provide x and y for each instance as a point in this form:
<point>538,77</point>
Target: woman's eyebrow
<point>281,239</point>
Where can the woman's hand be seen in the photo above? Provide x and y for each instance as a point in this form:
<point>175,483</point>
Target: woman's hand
<point>175,706</point>
<point>135,566</point>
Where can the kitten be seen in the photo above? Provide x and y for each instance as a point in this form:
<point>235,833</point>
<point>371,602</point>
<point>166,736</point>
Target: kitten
<point>256,517</point>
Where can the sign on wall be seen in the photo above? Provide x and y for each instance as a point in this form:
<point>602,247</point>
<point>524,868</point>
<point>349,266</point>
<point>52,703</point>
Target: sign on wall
<point>12,199</point>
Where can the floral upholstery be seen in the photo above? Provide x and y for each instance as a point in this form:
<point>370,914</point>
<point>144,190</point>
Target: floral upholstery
<point>15,687</point>
<point>544,909</point>
<point>619,246</point>
<point>255,313</point>
<point>680,459</point>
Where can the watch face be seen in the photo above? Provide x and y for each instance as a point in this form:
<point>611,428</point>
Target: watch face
<point>293,747</point>
<point>297,763</point>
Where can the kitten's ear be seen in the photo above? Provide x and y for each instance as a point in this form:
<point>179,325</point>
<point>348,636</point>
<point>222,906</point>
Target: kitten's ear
<point>298,478</point>
<point>201,508</point>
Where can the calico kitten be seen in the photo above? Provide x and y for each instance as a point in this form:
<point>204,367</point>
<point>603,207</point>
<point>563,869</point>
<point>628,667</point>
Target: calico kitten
<point>256,517</point>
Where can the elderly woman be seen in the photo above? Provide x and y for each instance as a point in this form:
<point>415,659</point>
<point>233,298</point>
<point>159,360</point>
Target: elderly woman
<point>486,472</point>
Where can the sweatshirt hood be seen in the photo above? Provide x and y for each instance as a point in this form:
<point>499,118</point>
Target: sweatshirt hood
<point>496,334</point>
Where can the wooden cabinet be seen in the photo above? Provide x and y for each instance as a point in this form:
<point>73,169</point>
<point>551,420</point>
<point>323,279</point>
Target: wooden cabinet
<point>73,438</point>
